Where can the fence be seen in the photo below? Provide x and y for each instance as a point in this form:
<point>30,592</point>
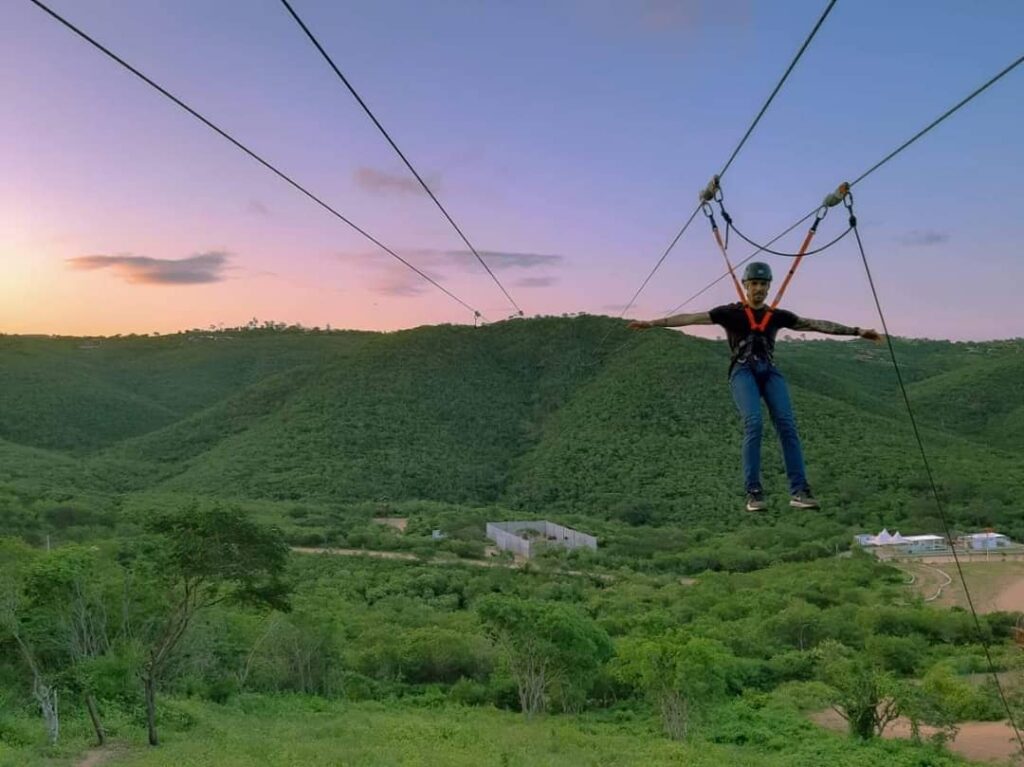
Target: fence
<point>509,536</point>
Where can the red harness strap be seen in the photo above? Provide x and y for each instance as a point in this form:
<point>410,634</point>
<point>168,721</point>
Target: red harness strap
<point>732,272</point>
<point>760,326</point>
<point>713,192</point>
<point>831,200</point>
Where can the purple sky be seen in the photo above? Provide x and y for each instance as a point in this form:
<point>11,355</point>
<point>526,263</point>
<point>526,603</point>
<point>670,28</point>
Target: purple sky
<point>568,139</point>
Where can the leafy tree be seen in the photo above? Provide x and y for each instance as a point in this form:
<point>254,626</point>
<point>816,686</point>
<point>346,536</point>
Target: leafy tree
<point>17,626</point>
<point>941,701</point>
<point>547,647</point>
<point>798,625</point>
<point>682,676</point>
<point>865,696</point>
<point>73,593</point>
<point>198,558</point>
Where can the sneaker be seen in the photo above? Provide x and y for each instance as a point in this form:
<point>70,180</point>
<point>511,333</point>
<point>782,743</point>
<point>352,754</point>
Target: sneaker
<point>804,500</point>
<point>755,501</point>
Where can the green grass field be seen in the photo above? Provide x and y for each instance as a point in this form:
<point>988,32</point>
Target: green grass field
<point>296,732</point>
<point>994,585</point>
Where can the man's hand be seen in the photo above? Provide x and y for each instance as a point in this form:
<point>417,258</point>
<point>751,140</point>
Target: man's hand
<point>640,325</point>
<point>871,335</point>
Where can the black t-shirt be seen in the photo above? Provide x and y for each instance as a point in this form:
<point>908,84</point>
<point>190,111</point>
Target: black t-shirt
<point>743,341</point>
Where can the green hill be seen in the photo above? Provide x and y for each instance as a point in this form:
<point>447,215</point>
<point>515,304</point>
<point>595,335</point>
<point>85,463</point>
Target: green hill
<point>630,436</point>
<point>81,394</point>
<point>554,415</point>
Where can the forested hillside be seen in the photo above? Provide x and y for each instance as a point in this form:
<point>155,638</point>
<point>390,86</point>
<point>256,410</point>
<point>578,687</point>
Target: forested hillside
<point>559,415</point>
<point>150,488</point>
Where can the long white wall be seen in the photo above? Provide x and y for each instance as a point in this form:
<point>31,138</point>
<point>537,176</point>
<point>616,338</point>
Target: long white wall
<point>506,536</point>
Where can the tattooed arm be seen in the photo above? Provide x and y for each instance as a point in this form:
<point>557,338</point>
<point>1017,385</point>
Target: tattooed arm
<point>675,321</point>
<point>834,328</point>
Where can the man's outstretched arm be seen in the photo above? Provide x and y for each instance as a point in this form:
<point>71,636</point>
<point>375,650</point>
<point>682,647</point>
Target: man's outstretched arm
<point>675,321</point>
<point>835,328</point>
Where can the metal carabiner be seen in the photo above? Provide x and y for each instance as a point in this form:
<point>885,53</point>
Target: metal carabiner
<point>848,203</point>
<point>707,194</point>
<point>725,214</point>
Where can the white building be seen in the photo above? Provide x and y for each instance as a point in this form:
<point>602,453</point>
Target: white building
<point>895,543</point>
<point>984,541</point>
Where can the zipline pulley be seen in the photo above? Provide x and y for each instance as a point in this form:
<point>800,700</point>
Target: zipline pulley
<point>708,193</point>
<point>839,195</point>
<point>713,193</point>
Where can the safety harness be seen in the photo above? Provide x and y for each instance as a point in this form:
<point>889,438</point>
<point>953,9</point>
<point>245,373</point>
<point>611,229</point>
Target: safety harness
<point>756,344</point>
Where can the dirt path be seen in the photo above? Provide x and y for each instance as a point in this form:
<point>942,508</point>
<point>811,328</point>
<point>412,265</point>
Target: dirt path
<point>996,584</point>
<point>360,553</point>
<point>1011,598</point>
<point>991,742</point>
<point>946,580</point>
<point>517,565</point>
<point>100,755</point>
<point>972,557</point>
<point>927,580</point>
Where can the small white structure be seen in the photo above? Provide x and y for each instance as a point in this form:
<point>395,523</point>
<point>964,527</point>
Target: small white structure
<point>527,538</point>
<point>984,541</point>
<point>896,543</point>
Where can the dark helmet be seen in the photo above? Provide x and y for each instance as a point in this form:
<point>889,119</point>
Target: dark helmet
<point>757,270</point>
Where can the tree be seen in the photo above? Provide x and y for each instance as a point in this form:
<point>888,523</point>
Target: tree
<point>546,646</point>
<point>14,612</point>
<point>865,696</point>
<point>798,624</point>
<point>939,701</point>
<point>682,676</point>
<point>199,557</point>
<point>71,592</point>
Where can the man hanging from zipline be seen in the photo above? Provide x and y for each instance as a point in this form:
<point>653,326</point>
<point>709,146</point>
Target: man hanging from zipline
<point>751,327</point>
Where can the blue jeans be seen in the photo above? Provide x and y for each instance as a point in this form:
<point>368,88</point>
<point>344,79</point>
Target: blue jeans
<point>749,382</point>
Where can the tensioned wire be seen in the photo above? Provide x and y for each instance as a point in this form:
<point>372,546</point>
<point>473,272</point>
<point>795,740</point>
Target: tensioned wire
<point>399,152</point>
<point>934,123</point>
<point>735,152</point>
<point>252,154</point>
<point>899,376</point>
<point>935,492</point>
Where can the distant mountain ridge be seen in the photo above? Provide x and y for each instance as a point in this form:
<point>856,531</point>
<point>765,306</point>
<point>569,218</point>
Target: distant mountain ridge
<point>568,414</point>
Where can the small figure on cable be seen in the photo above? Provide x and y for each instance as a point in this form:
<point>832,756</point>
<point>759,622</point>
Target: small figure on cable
<point>751,328</point>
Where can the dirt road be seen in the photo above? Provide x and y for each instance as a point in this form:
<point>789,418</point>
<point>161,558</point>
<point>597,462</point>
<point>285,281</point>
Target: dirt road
<point>1011,598</point>
<point>516,565</point>
<point>995,585</point>
<point>929,581</point>
<point>992,742</point>
<point>95,757</point>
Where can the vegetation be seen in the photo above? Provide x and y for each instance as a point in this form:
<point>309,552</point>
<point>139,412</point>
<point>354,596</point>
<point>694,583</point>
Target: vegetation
<point>148,498</point>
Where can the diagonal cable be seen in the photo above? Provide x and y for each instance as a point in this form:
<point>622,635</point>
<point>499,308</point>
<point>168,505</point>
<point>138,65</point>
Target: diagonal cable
<point>722,276</point>
<point>736,151</point>
<point>792,64</point>
<point>935,490</point>
<point>934,123</point>
<point>660,261</point>
<point>938,120</point>
<point>370,114</point>
<point>251,153</point>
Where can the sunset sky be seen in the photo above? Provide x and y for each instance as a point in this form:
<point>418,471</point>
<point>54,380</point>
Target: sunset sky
<point>568,138</point>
